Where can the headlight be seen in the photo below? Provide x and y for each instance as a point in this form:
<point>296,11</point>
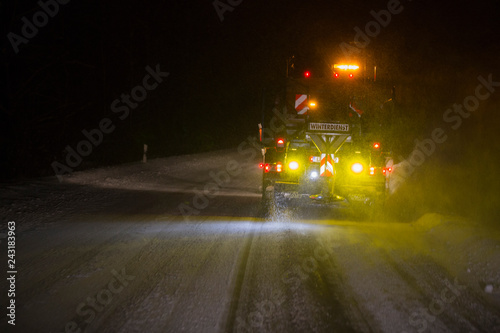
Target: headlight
<point>357,168</point>
<point>314,174</point>
<point>293,165</point>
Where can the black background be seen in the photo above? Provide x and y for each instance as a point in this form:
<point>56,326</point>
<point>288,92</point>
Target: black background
<point>66,77</point>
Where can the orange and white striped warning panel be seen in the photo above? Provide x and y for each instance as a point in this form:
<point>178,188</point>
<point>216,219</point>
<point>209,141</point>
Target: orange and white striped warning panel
<point>326,165</point>
<point>301,104</point>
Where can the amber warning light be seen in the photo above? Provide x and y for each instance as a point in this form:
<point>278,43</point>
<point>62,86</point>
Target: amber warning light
<point>345,67</point>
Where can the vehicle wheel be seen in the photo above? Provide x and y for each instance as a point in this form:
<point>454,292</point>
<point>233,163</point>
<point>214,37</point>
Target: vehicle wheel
<point>265,184</point>
<point>279,197</point>
<point>268,200</point>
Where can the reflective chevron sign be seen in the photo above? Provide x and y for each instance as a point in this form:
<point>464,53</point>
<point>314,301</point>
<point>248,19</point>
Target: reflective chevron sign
<point>326,166</point>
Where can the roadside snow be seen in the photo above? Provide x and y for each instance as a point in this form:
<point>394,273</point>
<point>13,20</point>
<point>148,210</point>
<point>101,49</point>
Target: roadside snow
<point>37,203</point>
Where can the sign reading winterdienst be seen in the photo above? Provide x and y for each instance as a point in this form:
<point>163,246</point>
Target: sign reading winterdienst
<point>329,127</point>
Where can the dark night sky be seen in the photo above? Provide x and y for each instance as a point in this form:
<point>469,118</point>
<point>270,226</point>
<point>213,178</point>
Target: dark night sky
<point>66,77</point>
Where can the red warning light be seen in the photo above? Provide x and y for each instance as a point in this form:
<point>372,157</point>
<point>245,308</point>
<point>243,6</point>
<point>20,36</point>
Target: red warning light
<point>280,144</point>
<point>376,145</point>
<point>336,75</point>
<point>307,74</point>
<point>351,75</point>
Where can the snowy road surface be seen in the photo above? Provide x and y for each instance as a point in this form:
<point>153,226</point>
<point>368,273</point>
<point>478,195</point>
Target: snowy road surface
<point>178,244</point>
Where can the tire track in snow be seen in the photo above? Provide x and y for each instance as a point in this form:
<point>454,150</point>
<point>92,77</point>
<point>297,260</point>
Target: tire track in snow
<point>340,297</point>
<point>141,273</point>
<point>59,273</point>
<point>166,298</point>
<point>239,277</point>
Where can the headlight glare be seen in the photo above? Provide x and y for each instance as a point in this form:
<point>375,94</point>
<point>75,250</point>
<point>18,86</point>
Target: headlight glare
<point>293,165</point>
<point>357,167</point>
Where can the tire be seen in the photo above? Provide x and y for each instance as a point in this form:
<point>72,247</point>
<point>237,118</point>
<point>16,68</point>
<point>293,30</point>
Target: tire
<point>267,201</point>
<point>273,201</point>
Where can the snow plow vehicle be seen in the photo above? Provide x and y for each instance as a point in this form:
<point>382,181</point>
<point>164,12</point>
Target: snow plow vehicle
<point>333,148</point>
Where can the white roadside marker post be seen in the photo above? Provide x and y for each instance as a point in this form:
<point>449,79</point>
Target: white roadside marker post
<point>144,158</point>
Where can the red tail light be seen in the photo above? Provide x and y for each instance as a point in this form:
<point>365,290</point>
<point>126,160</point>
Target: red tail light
<point>267,167</point>
<point>280,144</point>
<point>261,165</point>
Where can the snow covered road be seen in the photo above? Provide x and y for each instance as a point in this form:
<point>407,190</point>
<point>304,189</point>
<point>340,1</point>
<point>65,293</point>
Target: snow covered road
<point>178,244</point>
